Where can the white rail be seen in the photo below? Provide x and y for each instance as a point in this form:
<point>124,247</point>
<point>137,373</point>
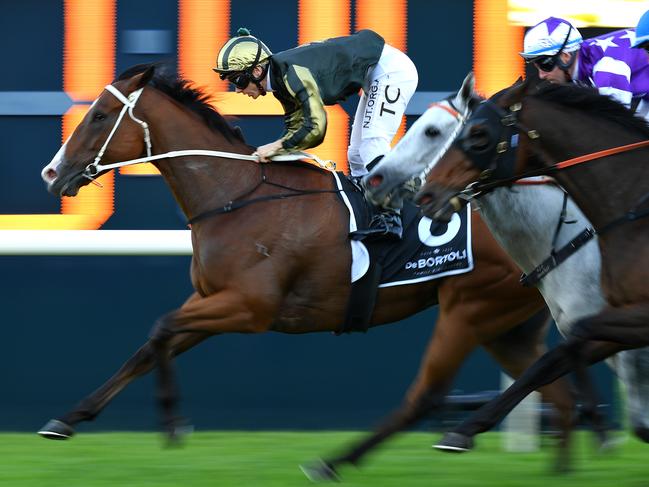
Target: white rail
<point>95,242</point>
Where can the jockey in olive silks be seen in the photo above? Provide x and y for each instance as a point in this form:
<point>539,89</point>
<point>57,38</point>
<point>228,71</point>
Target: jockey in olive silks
<point>306,78</point>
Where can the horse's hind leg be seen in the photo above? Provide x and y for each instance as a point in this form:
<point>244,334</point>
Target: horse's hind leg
<point>228,311</point>
<point>139,364</point>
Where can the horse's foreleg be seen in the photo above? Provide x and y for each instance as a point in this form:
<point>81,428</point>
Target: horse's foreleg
<point>589,400</point>
<point>450,344</point>
<point>633,370</point>
<point>139,364</point>
<point>554,364</point>
<point>628,327</point>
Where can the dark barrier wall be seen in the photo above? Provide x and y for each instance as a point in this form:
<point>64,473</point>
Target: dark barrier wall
<point>70,322</point>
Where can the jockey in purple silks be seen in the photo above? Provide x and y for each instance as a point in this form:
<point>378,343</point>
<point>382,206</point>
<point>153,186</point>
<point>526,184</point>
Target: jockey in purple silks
<point>607,62</point>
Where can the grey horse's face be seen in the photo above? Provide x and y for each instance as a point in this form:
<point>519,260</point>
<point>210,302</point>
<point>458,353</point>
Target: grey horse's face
<point>419,149</point>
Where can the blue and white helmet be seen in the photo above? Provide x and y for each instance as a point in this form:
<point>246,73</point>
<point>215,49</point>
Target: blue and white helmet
<point>547,38</point>
<point>642,30</point>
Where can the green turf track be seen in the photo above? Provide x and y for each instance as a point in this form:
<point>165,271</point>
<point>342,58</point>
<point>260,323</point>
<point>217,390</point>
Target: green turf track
<point>271,459</point>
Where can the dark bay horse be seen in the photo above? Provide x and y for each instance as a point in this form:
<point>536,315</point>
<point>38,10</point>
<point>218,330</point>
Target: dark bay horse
<point>533,221</point>
<point>597,150</point>
<point>276,263</point>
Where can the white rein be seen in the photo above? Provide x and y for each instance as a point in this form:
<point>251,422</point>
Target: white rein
<point>93,169</point>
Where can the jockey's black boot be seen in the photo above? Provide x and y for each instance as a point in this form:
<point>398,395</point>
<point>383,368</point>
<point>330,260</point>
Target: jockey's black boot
<point>386,224</point>
<point>388,221</point>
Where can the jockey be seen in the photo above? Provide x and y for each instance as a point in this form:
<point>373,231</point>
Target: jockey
<point>607,62</point>
<point>306,78</point>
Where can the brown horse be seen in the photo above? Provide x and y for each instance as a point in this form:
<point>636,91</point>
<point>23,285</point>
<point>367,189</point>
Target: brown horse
<point>602,147</point>
<point>277,263</point>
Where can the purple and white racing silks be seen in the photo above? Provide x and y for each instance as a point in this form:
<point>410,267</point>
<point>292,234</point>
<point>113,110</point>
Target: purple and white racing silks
<point>609,64</point>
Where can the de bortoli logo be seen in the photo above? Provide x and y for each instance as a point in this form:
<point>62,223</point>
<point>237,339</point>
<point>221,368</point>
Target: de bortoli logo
<point>430,240</point>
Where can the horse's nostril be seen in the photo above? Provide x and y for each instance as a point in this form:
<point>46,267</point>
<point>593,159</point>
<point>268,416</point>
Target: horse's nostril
<point>375,181</point>
<point>424,199</point>
<point>50,174</point>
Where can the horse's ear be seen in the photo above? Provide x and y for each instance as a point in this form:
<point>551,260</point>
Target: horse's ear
<point>515,93</point>
<point>145,77</point>
<point>466,93</point>
<point>140,80</point>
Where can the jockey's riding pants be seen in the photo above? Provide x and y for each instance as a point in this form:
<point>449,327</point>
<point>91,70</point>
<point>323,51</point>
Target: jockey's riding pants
<point>389,85</point>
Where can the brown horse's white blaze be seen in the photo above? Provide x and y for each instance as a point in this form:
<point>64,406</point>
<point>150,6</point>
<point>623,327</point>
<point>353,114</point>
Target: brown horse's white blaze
<point>49,172</point>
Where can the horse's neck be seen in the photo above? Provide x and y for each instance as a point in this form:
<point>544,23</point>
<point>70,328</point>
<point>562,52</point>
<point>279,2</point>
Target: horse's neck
<point>524,219</point>
<point>604,188</point>
<point>200,183</point>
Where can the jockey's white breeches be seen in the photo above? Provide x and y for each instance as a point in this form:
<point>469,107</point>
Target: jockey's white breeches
<point>388,88</point>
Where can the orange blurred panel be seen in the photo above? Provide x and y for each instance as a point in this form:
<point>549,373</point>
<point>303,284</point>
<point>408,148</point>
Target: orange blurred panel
<point>496,44</point>
<point>203,27</point>
<point>335,143</point>
<point>400,132</point>
<point>144,169</point>
<point>88,65</point>
<point>231,103</point>
<point>89,47</point>
<point>320,20</point>
<point>91,200</point>
<point>48,222</point>
<point>387,17</point>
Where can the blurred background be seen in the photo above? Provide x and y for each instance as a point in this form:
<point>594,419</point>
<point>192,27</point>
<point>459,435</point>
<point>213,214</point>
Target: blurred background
<point>69,321</point>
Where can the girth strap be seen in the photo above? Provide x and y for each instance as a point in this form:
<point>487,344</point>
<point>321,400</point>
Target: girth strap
<point>556,258</point>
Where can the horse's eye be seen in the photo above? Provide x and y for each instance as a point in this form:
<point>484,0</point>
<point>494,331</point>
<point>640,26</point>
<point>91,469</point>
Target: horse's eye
<point>432,132</point>
<point>98,117</point>
<point>479,140</point>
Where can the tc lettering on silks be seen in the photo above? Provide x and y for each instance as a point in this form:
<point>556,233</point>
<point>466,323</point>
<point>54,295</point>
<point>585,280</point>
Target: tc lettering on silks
<point>389,100</point>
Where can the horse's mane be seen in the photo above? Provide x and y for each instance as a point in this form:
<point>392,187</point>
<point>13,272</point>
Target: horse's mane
<point>588,99</point>
<point>187,95</point>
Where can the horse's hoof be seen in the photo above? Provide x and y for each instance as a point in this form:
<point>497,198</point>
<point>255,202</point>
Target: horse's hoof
<point>609,444</point>
<point>455,443</point>
<point>605,443</point>
<point>56,430</point>
<point>177,431</point>
<point>562,466</point>
<point>320,471</point>
<point>642,433</point>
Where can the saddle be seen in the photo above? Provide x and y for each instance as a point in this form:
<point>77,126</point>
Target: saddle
<point>428,250</point>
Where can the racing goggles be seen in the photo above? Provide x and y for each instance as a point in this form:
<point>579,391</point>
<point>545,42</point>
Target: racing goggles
<point>545,63</point>
<point>240,79</point>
